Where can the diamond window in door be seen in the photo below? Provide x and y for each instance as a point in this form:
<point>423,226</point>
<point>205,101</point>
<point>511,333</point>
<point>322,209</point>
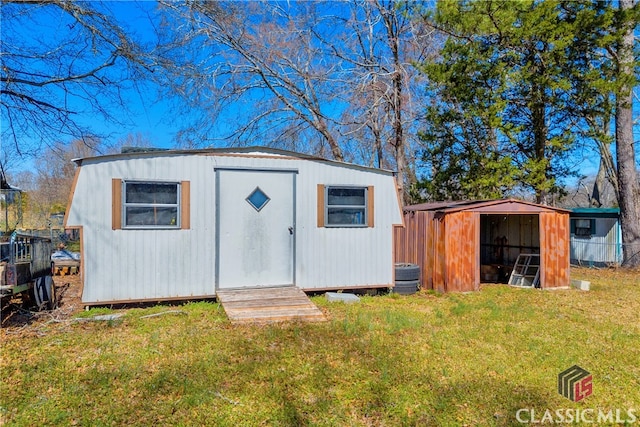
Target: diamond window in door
<point>258,199</point>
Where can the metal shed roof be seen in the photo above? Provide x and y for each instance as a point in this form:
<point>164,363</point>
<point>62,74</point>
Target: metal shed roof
<point>488,206</point>
<point>595,212</point>
<point>244,151</point>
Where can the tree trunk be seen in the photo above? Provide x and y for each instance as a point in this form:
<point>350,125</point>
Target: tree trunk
<point>391,24</point>
<point>540,134</point>
<point>629,188</point>
<point>606,170</point>
<point>607,165</point>
<point>398,143</point>
<point>321,126</point>
<point>598,186</point>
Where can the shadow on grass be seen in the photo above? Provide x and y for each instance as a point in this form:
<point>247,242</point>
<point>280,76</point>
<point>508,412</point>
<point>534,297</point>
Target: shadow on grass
<point>486,402</point>
<point>373,393</point>
<point>482,401</point>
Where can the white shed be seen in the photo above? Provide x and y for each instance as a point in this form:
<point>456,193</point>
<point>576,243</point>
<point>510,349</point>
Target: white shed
<point>596,236</point>
<point>177,224</point>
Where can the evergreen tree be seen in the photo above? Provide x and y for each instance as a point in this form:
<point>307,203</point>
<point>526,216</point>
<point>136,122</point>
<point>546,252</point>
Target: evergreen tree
<point>503,117</point>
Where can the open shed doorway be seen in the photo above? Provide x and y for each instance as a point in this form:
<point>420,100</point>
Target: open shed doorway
<point>502,238</point>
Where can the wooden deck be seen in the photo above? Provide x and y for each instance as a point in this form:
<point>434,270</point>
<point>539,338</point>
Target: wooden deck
<point>266,305</point>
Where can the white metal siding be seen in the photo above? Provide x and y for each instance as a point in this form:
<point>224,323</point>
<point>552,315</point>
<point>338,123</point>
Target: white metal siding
<point>144,264</point>
<point>345,257</point>
<point>601,248</point>
<point>122,265</point>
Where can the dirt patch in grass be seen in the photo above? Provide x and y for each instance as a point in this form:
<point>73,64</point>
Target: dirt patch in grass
<point>18,318</point>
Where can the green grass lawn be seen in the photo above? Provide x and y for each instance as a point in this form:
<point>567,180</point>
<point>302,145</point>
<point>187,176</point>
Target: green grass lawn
<point>456,359</point>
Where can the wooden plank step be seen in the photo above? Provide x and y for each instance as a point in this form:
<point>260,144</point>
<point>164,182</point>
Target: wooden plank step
<point>275,319</point>
<point>259,294</point>
<point>267,302</point>
<point>269,314</point>
<point>269,305</point>
<point>276,311</point>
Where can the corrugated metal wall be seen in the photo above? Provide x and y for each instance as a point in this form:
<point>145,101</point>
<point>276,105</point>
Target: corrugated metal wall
<point>143,264</point>
<point>414,243</point>
<point>554,250</point>
<point>462,245</point>
<point>603,247</point>
<point>344,257</point>
<point>439,253</point>
<point>121,265</point>
<point>447,247</point>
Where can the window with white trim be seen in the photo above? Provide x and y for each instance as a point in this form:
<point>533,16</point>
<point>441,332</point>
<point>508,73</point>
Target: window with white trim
<point>151,204</point>
<point>345,206</point>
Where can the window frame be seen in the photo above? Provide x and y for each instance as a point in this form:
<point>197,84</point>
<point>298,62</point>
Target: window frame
<point>178,205</point>
<point>583,234</point>
<point>365,207</point>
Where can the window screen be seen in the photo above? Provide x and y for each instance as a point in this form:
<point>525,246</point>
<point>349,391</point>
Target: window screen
<point>151,204</point>
<point>346,206</point>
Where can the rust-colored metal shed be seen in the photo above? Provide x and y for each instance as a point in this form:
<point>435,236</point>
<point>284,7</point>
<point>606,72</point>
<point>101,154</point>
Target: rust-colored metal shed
<point>458,245</point>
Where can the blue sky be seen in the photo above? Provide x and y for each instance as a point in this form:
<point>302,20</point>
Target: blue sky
<point>146,114</point>
<point>154,119</point>
<point>150,116</point>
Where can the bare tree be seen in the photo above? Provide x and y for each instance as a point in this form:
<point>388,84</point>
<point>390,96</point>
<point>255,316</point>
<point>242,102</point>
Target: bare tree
<point>257,63</point>
<point>330,78</point>
<point>60,59</point>
<point>581,194</point>
<point>383,42</point>
<point>53,178</point>
<point>606,179</point>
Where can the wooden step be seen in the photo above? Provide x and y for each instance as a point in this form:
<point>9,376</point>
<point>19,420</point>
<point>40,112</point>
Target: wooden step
<point>266,305</point>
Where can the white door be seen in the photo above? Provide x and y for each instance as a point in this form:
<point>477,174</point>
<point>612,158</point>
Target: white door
<point>255,228</point>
